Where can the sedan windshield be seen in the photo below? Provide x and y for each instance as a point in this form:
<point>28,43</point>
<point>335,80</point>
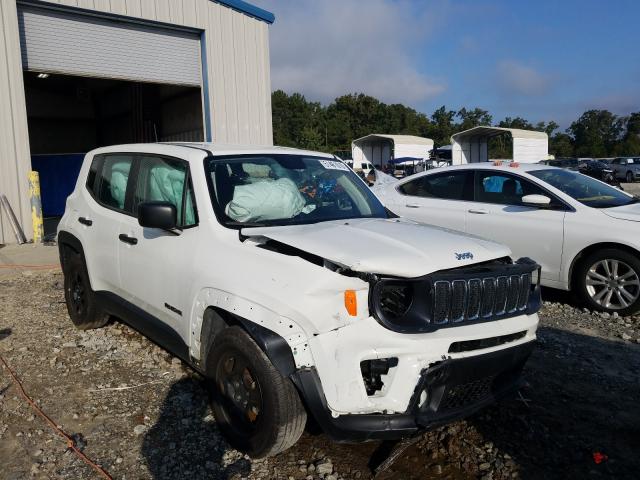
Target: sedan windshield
<point>585,190</point>
<point>273,189</point>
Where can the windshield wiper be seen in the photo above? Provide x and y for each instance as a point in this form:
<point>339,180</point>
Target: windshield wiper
<point>247,224</point>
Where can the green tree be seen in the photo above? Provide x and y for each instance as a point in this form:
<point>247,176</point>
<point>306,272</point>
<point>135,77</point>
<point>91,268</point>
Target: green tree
<point>473,118</point>
<point>596,133</point>
<point>442,126</point>
<point>561,145</point>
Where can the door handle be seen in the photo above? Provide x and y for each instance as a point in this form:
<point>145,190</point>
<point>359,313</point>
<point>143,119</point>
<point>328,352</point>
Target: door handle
<point>480,211</point>
<point>127,239</point>
<point>412,205</point>
<point>85,221</point>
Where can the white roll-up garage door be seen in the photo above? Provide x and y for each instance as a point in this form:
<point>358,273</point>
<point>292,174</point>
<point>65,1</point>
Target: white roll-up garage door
<point>56,41</point>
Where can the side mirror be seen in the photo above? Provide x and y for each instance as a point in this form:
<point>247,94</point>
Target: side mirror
<point>540,201</point>
<point>161,215</point>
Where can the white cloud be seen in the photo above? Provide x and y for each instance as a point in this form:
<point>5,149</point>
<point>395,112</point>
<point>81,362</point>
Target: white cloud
<point>324,49</point>
<point>520,79</point>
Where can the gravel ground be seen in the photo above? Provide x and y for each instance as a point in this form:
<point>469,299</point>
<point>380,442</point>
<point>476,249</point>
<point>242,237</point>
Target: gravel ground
<point>141,413</point>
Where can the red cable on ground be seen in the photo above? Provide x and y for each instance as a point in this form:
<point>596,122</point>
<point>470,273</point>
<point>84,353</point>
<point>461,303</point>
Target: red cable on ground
<point>41,266</point>
<point>71,444</point>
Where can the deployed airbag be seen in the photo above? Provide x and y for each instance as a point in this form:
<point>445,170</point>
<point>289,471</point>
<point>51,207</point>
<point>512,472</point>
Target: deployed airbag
<point>265,200</point>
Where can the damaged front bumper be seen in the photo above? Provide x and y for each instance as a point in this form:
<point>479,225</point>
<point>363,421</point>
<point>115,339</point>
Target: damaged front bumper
<point>446,391</point>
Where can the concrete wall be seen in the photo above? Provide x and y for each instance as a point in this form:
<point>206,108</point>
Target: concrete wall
<point>237,70</point>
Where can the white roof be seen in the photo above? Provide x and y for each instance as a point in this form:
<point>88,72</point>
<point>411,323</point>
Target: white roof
<point>493,131</point>
<point>197,149</point>
<point>397,139</point>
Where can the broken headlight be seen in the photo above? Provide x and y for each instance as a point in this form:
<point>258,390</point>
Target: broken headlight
<point>394,304</point>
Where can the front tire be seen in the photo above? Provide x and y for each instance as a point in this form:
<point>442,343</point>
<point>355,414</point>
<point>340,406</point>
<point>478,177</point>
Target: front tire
<point>81,300</point>
<point>257,409</point>
<point>609,281</point>
<point>630,177</point>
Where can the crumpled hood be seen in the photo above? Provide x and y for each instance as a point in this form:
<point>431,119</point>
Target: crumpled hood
<point>397,247</point>
<point>626,212</point>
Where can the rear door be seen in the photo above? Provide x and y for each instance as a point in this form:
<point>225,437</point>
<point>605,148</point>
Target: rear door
<point>498,214</point>
<point>155,264</point>
<point>99,220</point>
<point>440,199</point>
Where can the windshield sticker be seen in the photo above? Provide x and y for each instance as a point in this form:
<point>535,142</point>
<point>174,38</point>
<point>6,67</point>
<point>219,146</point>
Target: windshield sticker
<point>331,165</point>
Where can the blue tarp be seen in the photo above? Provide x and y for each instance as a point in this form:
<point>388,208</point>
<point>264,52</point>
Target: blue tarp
<point>58,175</point>
<point>406,159</point>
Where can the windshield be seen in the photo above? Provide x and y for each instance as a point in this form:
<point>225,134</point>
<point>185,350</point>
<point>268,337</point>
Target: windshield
<point>585,190</point>
<point>273,189</point>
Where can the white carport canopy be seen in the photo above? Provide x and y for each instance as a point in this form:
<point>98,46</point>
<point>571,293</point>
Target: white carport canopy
<point>471,146</point>
<point>379,148</point>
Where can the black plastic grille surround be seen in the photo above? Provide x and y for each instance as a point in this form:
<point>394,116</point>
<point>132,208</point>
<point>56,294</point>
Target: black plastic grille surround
<point>450,298</point>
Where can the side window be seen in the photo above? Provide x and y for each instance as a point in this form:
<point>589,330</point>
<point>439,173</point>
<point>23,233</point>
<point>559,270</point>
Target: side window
<point>164,179</point>
<point>449,186</point>
<point>505,189</point>
<point>110,186</point>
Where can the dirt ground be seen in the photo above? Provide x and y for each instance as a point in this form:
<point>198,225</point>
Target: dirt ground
<point>140,413</point>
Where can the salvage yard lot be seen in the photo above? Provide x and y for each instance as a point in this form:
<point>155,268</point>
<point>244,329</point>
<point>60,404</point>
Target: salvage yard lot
<point>142,414</point>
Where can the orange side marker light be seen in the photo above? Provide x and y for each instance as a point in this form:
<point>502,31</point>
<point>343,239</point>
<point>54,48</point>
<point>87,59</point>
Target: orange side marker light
<point>351,302</point>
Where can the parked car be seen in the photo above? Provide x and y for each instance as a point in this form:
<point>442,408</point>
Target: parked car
<point>598,170</point>
<point>279,276</point>
<point>584,233</point>
<point>626,168</point>
<point>566,163</point>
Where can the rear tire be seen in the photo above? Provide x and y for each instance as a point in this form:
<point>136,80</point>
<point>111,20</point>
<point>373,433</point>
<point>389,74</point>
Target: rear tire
<point>81,300</point>
<point>257,409</point>
<point>609,281</point>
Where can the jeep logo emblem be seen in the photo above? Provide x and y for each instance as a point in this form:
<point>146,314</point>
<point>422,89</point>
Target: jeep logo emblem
<point>464,256</point>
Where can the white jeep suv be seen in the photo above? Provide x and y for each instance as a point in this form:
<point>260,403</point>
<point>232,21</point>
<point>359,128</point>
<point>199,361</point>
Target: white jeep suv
<point>279,276</point>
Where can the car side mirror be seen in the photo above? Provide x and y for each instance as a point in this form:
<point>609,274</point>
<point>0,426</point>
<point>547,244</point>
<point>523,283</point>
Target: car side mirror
<point>535,200</point>
<point>161,215</point>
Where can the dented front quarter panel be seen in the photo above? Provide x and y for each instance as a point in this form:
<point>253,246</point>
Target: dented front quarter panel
<point>286,294</point>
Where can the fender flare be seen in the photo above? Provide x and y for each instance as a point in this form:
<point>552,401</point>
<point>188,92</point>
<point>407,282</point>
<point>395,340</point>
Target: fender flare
<point>273,345</point>
<point>280,338</point>
<point>66,239</point>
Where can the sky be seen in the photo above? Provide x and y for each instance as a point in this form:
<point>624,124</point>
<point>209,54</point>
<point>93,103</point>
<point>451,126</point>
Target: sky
<point>542,60</point>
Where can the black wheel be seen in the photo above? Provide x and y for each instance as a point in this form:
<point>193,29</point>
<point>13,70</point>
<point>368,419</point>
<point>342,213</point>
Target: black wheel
<point>609,281</point>
<point>80,298</point>
<point>256,408</point>
<point>630,177</point>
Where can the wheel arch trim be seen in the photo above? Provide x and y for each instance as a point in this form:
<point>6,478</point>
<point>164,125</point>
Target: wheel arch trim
<point>589,249</point>
<point>283,341</point>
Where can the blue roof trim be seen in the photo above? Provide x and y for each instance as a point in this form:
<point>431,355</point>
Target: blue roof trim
<point>249,9</point>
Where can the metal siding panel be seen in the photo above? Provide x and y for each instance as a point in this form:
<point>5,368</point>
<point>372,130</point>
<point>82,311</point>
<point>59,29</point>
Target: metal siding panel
<point>15,159</point>
<point>75,44</point>
<point>148,9</point>
<point>230,94</point>
<point>215,67</point>
<point>175,12</point>
<point>118,6</point>
<point>163,12</point>
<point>86,4</point>
<point>134,8</point>
<point>265,84</point>
<point>242,91</point>
<point>189,12</point>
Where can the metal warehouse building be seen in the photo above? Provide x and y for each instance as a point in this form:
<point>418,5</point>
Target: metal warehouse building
<point>80,74</point>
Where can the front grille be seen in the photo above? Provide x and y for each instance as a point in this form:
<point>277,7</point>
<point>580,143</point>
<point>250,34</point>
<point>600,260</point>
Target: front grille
<point>459,396</point>
<point>480,298</point>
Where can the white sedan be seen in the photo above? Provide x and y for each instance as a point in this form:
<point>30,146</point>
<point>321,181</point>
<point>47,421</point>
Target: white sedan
<point>584,233</point>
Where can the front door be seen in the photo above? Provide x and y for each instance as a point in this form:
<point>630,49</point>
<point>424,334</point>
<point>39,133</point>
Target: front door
<point>155,264</point>
<point>497,213</point>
